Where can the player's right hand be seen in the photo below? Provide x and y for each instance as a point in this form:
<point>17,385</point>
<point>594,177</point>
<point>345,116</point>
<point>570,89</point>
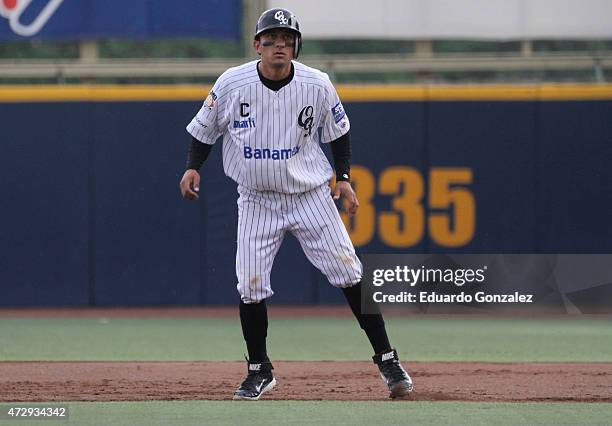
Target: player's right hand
<point>190,184</point>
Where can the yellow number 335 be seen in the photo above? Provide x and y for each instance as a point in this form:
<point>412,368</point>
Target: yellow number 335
<point>450,216</point>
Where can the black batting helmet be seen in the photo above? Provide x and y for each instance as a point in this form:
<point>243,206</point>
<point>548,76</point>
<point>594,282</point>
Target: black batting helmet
<point>280,18</point>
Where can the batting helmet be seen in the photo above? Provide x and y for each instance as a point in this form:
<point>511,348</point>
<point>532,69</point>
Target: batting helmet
<point>280,18</point>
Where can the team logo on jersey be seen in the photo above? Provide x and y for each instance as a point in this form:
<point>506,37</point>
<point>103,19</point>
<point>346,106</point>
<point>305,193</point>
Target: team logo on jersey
<point>280,17</point>
<point>272,154</point>
<point>210,100</point>
<point>244,124</point>
<point>306,120</point>
<point>338,112</point>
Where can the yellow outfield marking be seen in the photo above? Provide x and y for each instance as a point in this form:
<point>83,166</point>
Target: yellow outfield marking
<point>576,92</point>
<point>43,93</point>
<point>482,93</point>
<point>364,93</point>
<point>102,93</point>
<point>348,93</point>
<point>508,92</point>
<point>149,93</point>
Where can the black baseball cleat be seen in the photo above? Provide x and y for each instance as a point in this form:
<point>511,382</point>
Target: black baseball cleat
<point>258,381</point>
<point>394,375</point>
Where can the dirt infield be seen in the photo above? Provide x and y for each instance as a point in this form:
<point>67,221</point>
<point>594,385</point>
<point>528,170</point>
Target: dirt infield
<point>141,381</point>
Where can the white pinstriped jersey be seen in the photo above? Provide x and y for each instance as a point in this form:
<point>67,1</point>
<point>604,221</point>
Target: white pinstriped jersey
<point>271,139</point>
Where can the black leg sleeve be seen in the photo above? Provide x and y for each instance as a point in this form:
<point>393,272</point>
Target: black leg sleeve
<point>254,320</point>
<point>372,324</point>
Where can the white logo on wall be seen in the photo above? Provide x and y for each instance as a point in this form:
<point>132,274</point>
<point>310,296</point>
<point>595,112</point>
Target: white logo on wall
<point>13,9</point>
<point>280,17</point>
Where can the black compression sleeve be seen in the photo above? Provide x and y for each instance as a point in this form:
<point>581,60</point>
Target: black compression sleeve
<point>341,151</point>
<point>197,154</point>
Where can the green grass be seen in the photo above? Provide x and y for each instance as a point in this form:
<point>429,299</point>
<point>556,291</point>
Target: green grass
<point>417,338</point>
<point>337,413</point>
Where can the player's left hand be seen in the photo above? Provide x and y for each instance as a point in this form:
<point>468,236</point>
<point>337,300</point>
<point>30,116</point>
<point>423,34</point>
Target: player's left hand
<point>345,190</point>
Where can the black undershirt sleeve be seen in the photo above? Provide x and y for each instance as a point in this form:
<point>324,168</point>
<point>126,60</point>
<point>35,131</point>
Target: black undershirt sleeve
<point>341,151</point>
<point>197,154</point>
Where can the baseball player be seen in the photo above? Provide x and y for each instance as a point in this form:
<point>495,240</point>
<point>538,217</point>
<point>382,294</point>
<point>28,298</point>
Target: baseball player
<point>272,114</point>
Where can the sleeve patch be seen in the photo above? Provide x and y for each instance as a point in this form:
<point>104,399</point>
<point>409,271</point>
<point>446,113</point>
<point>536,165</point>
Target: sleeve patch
<point>338,112</point>
<point>210,100</point>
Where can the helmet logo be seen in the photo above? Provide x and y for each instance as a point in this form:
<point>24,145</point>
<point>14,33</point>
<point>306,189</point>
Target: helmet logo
<point>13,9</point>
<point>280,17</point>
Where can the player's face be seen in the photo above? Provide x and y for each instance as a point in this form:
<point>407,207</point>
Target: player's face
<point>276,47</point>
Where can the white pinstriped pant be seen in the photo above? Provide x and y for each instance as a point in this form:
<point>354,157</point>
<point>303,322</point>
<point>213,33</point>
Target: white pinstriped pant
<point>312,217</point>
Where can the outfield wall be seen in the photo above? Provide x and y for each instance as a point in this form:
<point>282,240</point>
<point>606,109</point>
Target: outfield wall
<point>92,214</point>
